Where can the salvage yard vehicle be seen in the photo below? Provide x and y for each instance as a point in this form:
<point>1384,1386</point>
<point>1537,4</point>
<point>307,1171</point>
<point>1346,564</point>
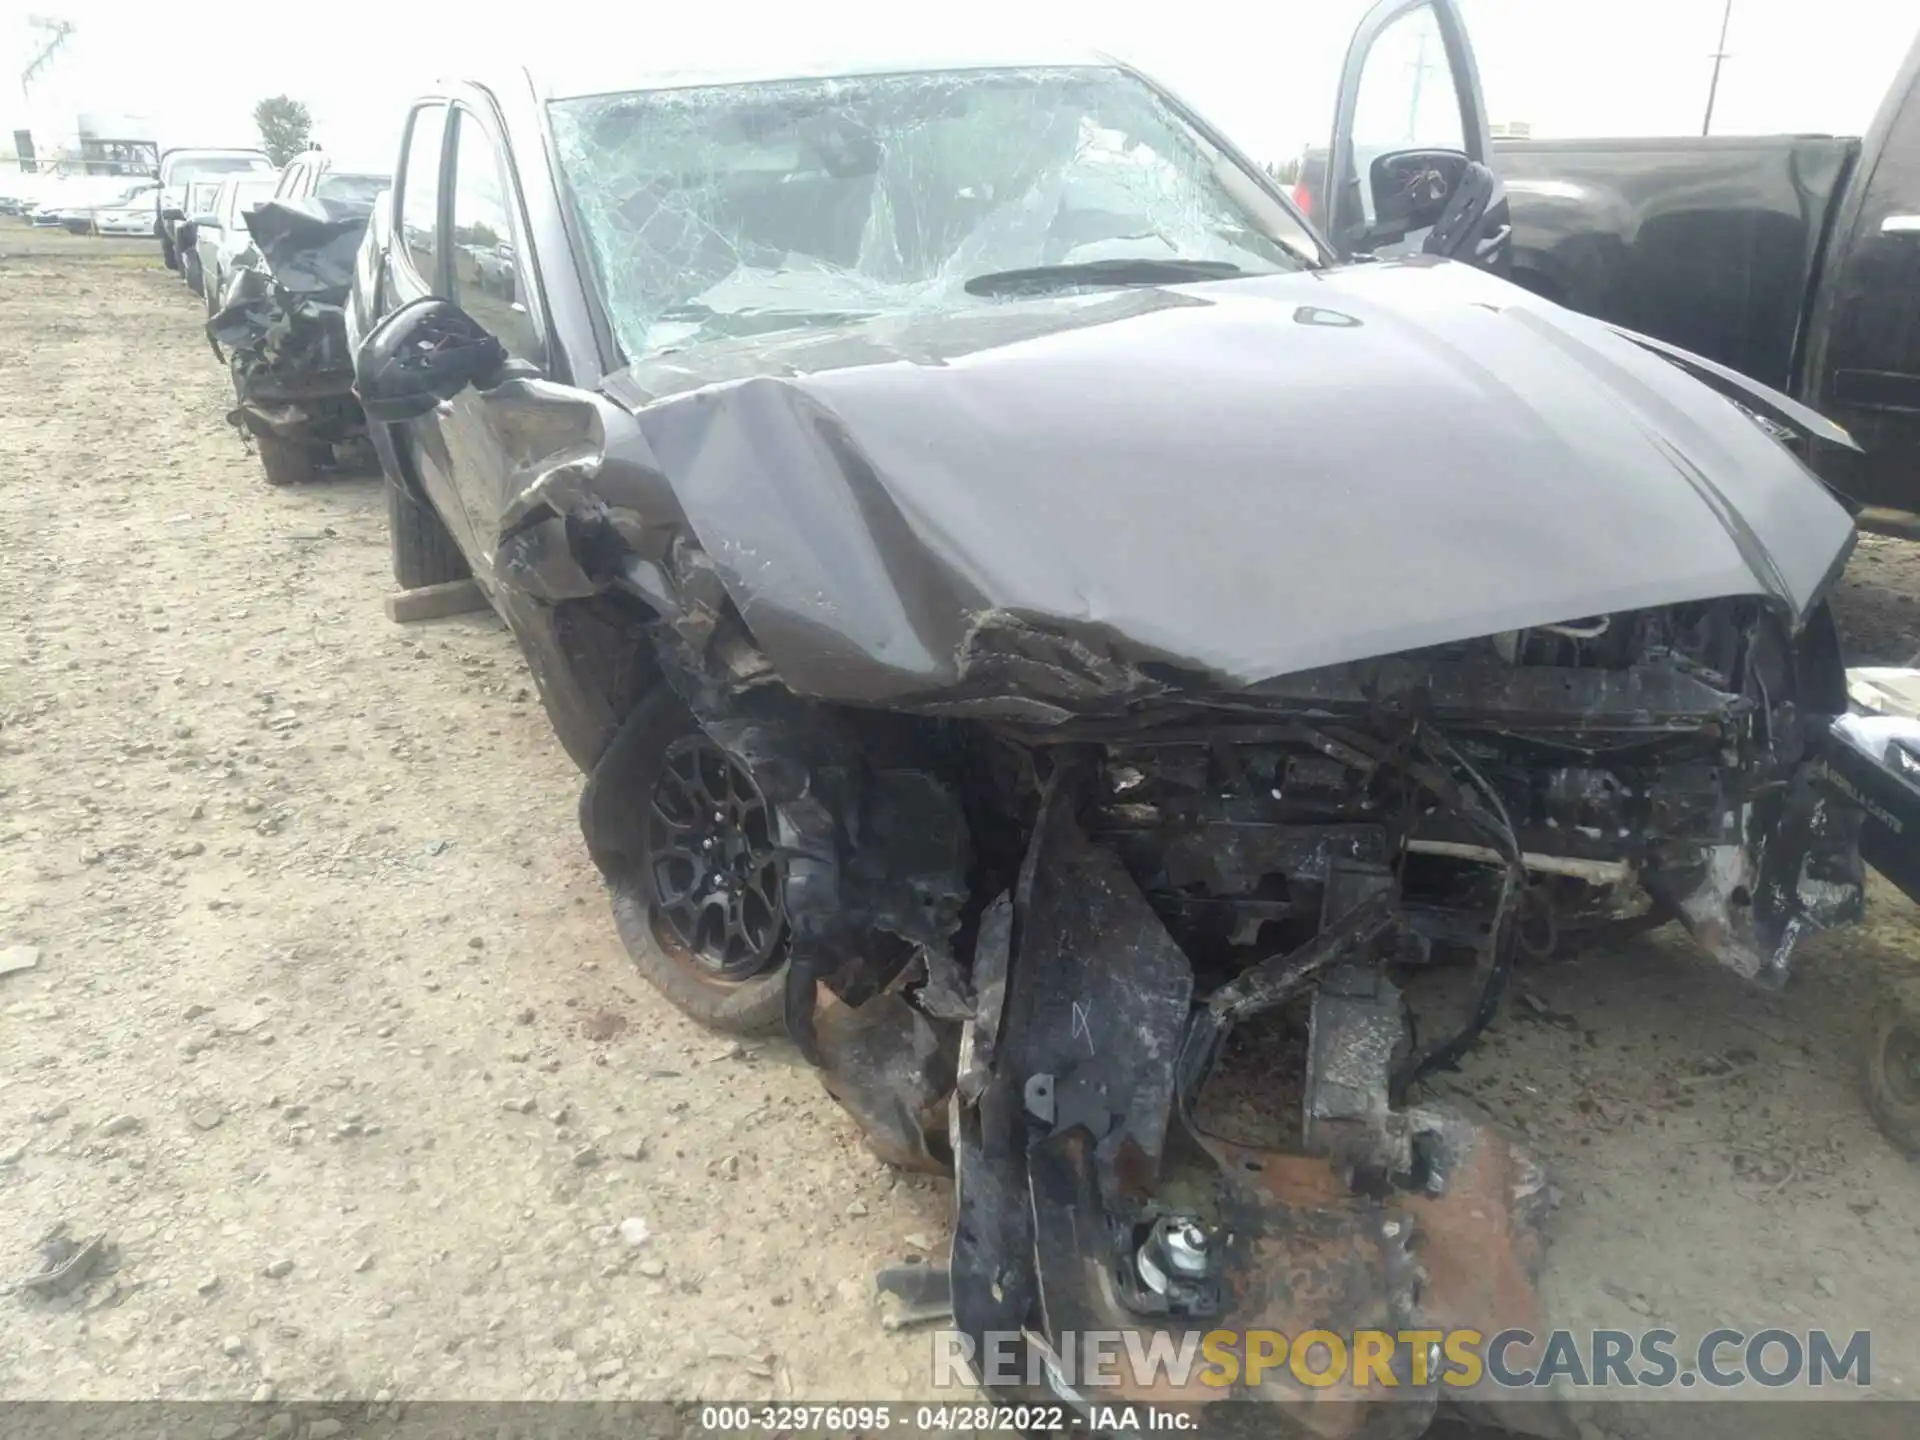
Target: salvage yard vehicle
<point>315,173</point>
<point>218,236</point>
<point>1794,259</point>
<point>19,192</point>
<point>58,194</point>
<point>200,198</point>
<point>178,167</point>
<point>104,192</point>
<point>129,217</point>
<point>1873,756</point>
<point>281,332</point>
<point>1027,606</point>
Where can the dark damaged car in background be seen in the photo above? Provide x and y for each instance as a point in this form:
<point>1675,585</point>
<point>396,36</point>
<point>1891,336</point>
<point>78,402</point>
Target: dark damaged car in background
<point>1026,606</point>
<point>280,329</point>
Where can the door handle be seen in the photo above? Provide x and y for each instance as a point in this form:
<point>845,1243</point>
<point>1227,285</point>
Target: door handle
<point>1900,225</point>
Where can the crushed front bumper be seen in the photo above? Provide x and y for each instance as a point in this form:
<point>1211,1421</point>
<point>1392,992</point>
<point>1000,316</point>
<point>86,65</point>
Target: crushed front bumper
<point>319,408</point>
<point>1093,1197</point>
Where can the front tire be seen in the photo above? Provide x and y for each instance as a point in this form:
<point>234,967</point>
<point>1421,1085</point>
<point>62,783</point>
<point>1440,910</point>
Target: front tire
<point>168,253</point>
<point>424,550</point>
<point>734,984</point>
<point>287,462</point>
<point>194,276</point>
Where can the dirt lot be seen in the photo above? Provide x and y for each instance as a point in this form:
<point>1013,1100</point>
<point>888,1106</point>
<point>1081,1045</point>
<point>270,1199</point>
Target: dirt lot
<point>331,1035</point>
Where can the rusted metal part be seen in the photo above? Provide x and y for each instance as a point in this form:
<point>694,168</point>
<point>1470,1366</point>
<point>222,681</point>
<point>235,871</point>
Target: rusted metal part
<point>1323,1258</point>
<point>1054,1241</point>
<point>1304,1253</point>
<point>1465,1258</point>
<point>1480,1243</point>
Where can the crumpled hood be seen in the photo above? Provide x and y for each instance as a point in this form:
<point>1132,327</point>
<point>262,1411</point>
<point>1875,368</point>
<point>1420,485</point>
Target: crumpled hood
<point>1244,479</point>
<point>309,245</point>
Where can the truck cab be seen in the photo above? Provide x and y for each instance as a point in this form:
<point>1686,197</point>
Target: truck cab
<point>1793,260</point>
<point>1861,358</point>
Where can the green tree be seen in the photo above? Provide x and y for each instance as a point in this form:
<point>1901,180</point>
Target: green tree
<point>285,127</point>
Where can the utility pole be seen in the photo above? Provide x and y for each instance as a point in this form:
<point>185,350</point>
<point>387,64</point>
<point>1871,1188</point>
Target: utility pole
<point>1719,54</point>
<point>57,32</point>
<point>1419,68</point>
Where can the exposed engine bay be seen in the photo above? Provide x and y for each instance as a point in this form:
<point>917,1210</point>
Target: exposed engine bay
<point>1018,949</point>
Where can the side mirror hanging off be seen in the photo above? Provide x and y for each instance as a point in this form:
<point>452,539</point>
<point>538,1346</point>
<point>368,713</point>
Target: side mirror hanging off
<point>427,351</point>
<point>1461,232</point>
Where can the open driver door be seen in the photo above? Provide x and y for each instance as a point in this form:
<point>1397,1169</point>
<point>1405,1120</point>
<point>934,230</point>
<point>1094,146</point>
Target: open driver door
<point>1410,166</point>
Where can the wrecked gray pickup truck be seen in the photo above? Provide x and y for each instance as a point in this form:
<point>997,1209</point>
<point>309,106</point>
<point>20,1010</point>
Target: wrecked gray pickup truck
<point>280,329</point>
<point>1026,611</point>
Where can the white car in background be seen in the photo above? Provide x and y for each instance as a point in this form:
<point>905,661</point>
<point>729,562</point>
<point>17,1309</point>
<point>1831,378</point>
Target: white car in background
<point>213,238</point>
<point>106,193</point>
<point>131,217</point>
<point>199,199</point>
<point>20,194</point>
<point>51,198</point>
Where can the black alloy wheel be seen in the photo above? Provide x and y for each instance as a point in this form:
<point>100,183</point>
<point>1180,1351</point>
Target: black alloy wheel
<point>715,870</point>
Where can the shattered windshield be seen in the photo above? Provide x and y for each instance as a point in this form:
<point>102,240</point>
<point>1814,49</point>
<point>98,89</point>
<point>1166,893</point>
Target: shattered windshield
<point>725,211</point>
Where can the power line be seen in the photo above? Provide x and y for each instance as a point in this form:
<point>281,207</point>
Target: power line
<point>1719,55</point>
<point>1419,67</point>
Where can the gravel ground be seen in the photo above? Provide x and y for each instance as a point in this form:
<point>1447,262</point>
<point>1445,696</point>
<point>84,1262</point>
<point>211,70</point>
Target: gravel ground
<point>330,1034</point>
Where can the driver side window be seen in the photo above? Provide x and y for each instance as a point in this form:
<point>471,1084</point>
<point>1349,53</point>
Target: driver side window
<point>1407,99</point>
<point>486,280</point>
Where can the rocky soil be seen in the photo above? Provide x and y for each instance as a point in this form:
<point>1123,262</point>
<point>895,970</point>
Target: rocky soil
<point>327,1030</point>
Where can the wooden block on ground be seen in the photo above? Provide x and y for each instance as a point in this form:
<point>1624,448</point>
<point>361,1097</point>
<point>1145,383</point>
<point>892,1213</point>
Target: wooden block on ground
<point>431,602</point>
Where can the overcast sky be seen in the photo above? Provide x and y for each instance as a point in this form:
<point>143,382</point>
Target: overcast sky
<point>1265,72</point>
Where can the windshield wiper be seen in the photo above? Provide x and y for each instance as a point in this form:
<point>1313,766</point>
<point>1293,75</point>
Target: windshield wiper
<point>1143,271</point>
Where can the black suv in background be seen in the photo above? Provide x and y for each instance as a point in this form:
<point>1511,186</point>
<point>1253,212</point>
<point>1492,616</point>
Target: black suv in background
<point>1794,259</point>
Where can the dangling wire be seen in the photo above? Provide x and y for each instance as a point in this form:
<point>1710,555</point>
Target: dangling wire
<point>1491,818</point>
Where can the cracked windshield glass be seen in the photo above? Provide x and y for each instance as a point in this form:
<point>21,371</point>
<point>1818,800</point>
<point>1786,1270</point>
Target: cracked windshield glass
<point>719,212</point>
